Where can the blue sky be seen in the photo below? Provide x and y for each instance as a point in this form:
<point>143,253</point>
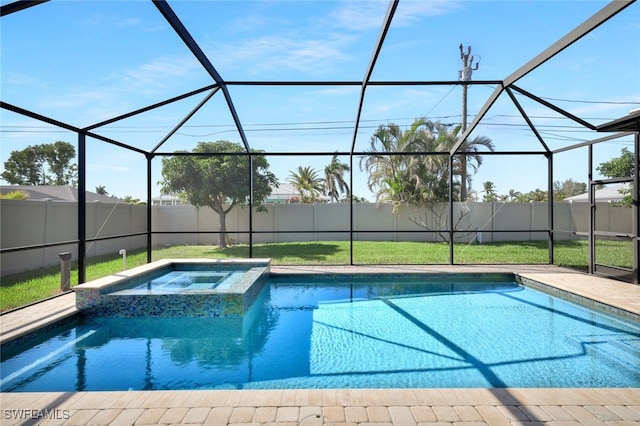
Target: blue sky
<point>82,62</point>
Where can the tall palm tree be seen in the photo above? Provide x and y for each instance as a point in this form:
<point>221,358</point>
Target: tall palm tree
<point>401,177</point>
<point>388,174</point>
<point>307,183</point>
<point>379,165</point>
<point>424,176</point>
<point>334,183</point>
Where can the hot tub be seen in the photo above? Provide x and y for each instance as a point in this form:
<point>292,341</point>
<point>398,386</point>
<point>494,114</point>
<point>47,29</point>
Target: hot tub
<point>177,287</point>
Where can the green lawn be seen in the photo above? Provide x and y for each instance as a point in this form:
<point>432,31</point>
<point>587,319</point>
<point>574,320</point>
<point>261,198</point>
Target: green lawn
<point>21,289</point>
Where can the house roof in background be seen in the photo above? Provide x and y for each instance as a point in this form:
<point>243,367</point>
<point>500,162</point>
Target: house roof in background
<point>608,193</point>
<point>284,190</point>
<point>628,123</point>
<point>56,192</point>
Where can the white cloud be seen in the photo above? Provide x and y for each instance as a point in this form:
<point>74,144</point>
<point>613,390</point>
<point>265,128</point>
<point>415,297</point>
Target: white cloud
<point>316,46</point>
<point>412,11</point>
<point>312,55</point>
<point>359,15</point>
<point>337,91</point>
<point>20,79</point>
<point>75,99</point>
<point>156,73</point>
<point>97,100</point>
<point>367,15</point>
<point>95,167</point>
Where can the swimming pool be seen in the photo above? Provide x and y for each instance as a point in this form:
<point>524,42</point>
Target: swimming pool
<point>343,332</point>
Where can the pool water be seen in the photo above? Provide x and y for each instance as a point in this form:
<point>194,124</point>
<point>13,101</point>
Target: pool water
<point>306,332</point>
<point>185,281</point>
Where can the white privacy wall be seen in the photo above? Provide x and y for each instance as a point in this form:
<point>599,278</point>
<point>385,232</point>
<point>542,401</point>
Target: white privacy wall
<point>33,222</point>
<point>30,222</point>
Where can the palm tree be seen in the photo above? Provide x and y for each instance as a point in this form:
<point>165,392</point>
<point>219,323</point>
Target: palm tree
<point>422,177</point>
<point>514,195</point>
<point>469,157</point>
<point>472,160</point>
<point>334,183</point>
<point>307,182</point>
<point>445,137</point>
<point>380,166</point>
<point>101,189</point>
<point>128,199</point>
<point>403,178</point>
<point>489,191</point>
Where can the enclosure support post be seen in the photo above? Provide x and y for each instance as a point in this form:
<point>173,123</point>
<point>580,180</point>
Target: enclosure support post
<point>149,227</point>
<point>592,211</point>
<point>551,228</point>
<point>82,206</point>
<point>250,205</point>
<point>351,216</point>
<point>451,259</point>
<point>635,210</point>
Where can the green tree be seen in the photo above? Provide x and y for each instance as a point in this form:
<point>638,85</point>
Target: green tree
<point>536,195</point>
<point>44,164</point>
<point>354,198</point>
<point>219,178</point>
<point>568,188</point>
<point>334,183</point>
<point>307,183</point>
<point>618,167</point>
<point>128,199</point>
<point>14,195</point>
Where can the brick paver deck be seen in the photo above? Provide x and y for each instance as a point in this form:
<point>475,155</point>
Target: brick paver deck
<point>372,407</point>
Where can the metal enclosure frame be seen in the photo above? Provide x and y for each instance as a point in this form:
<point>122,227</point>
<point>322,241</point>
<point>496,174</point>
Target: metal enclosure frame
<point>220,85</point>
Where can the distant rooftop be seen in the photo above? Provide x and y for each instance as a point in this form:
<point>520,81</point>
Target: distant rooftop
<point>56,192</point>
<point>606,194</point>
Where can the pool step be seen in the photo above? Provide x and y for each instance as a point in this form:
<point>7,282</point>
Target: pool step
<point>620,349</point>
<point>630,345</point>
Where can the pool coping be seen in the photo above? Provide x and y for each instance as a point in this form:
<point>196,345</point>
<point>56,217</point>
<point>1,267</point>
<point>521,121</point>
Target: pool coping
<point>119,277</point>
<point>349,406</point>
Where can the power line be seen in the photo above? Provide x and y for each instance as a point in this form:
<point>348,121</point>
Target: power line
<point>310,124</point>
<point>591,102</point>
<point>441,99</point>
<point>324,128</point>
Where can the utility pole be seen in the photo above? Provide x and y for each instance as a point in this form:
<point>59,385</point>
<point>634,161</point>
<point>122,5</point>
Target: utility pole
<point>464,75</point>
